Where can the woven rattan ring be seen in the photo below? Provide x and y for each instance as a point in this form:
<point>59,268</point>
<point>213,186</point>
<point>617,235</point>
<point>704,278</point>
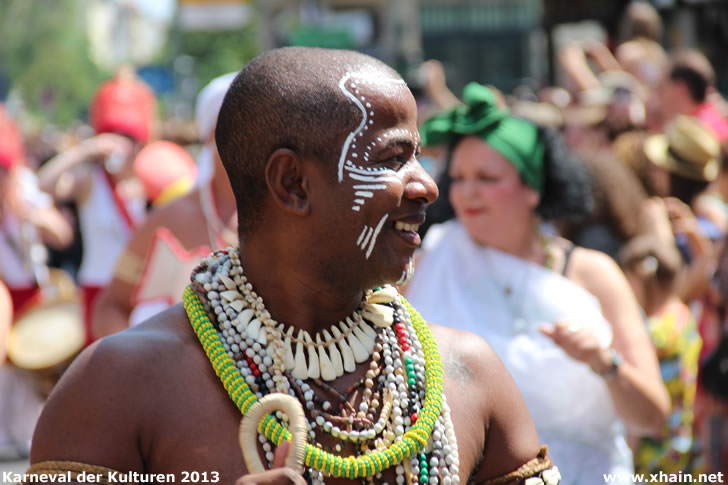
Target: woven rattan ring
<point>248,435</point>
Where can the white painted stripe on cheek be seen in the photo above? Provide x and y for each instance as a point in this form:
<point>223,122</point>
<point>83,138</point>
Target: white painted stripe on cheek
<point>362,193</point>
<point>376,234</point>
<point>366,239</point>
<point>370,187</point>
<point>374,171</point>
<point>364,178</point>
<point>361,236</point>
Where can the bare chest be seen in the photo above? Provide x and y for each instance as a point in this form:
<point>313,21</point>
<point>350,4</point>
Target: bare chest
<point>194,438</point>
<point>192,431</point>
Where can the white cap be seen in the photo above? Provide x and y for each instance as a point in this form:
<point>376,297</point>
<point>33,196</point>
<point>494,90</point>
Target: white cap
<point>207,107</point>
<point>209,102</point>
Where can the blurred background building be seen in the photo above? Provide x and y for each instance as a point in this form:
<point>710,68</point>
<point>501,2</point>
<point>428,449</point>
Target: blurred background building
<point>55,53</point>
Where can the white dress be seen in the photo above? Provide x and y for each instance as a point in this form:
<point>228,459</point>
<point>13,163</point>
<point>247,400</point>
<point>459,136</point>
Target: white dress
<point>105,231</point>
<point>505,299</point>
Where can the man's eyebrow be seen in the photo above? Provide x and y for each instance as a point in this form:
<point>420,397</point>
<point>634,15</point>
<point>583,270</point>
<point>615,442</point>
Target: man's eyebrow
<point>400,141</point>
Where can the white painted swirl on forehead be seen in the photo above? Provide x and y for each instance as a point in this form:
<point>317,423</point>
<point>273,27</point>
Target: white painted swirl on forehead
<point>366,179</point>
<point>367,78</point>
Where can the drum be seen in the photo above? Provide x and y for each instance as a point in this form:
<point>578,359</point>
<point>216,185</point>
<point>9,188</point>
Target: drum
<point>48,335</point>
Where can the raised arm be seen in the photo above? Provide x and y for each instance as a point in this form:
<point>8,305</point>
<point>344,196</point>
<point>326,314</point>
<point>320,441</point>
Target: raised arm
<point>115,303</point>
<point>62,176</point>
<point>637,390</point>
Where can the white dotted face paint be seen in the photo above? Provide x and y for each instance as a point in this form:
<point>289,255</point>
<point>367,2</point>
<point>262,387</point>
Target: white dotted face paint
<point>352,81</point>
<point>367,180</point>
<point>371,179</point>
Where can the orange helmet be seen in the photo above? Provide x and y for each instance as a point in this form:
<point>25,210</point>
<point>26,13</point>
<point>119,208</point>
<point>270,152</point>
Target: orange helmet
<point>166,170</point>
<point>125,106</point>
<point>11,144</point>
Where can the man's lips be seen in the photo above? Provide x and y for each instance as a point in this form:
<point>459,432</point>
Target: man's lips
<point>408,232</point>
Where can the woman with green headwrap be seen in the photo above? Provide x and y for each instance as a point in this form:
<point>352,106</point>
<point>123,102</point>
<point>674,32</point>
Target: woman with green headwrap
<point>563,319</point>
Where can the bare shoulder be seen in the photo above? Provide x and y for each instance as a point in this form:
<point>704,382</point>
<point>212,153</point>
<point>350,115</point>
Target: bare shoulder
<point>467,357</point>
<point>98,412</point>
<point>595,271</point>
<point>600,275</point>
<point>494,428</point>
<point>470,362</point>
<point>587,261</point>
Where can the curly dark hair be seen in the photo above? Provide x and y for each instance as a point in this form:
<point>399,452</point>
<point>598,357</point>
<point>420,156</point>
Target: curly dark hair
<point>618,196</point>
<point>567,189</point>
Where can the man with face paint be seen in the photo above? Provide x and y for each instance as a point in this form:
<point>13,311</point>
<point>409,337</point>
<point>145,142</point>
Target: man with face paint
<point>320,147</point>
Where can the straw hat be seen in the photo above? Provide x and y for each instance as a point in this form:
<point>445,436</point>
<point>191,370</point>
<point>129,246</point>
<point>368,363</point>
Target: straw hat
<point>687,148</point>
<point>544,114</point>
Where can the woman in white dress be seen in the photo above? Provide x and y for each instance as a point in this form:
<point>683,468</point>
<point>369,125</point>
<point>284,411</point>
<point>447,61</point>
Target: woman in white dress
<point>563,319</point>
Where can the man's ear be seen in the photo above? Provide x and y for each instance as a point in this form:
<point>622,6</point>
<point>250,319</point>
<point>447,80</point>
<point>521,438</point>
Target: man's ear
<point>287,181</point>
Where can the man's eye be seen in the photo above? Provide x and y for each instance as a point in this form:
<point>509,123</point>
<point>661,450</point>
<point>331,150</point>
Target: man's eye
<point>394,163</point>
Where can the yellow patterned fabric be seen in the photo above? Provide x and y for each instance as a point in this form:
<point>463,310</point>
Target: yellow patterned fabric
<point>677,342</point>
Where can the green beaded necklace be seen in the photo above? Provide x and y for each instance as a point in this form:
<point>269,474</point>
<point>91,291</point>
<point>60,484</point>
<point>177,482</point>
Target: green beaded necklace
<point>352,467</point>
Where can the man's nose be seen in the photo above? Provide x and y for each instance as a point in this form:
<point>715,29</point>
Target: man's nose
<point>420,185</point>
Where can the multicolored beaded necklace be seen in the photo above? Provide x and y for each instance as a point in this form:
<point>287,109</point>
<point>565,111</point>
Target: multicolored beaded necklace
<point>400,419</point>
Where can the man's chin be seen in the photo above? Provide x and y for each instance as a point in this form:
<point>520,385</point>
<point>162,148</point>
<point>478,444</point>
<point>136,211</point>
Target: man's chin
<point>405,274</point>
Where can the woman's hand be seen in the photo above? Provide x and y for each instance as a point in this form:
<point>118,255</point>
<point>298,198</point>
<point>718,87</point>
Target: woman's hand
<point>579,343</point>
<point>278,475</point>
<point>685,222</point>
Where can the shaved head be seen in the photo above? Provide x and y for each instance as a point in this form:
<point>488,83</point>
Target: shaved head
<point>286,98</point>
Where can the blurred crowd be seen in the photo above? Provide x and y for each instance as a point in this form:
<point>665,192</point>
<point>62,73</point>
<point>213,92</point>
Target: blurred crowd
<point>101,225</point>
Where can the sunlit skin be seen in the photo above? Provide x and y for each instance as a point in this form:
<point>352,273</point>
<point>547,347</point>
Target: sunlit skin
<point>637,284</point>
<point>303,260</point>
<point>490,199</point>
<point>407,189</point>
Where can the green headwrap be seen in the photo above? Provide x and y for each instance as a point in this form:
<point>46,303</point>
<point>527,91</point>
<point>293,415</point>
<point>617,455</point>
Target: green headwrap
<point>516,139</point>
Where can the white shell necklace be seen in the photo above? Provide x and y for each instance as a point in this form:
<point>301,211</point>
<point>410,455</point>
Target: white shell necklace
<point>379,331</point>
<point>239,310</point>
